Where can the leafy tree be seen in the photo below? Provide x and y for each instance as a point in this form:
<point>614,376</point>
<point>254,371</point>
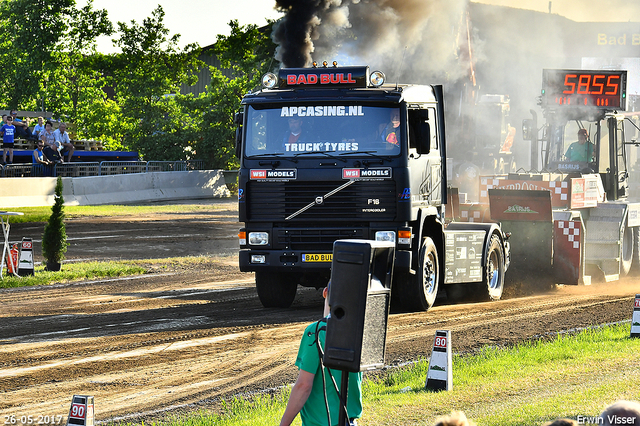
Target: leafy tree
<point>248,52</point>
<point>29,29</point>
<point>54,238</point>
<point>150,67</point>
<point>75,81</point>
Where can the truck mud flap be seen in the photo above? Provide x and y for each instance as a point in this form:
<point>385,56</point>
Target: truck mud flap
<point>527,216</point>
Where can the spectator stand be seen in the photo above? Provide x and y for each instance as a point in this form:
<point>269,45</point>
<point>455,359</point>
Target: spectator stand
<point>103,168</point>
<point>29,145</point>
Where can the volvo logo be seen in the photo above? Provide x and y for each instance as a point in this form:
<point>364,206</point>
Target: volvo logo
<point>319,200</point>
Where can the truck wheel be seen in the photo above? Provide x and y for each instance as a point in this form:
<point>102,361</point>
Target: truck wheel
<point>276,290</point>
<point>635,262</point>
<point>491,288</point>
<point>418,292</point>
<point>629,249</point>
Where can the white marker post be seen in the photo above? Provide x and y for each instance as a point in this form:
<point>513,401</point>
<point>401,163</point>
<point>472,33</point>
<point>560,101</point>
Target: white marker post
<point>81,411</point>
<point>25,264</point>
<point>440,374</point>
<point>635,318</point>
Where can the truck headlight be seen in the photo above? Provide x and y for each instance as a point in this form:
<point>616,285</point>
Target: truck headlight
<point>269,80</point>
<point>258,258</point>
<point>389,236</point>
<point>258,238</point>
<point>377,78</point>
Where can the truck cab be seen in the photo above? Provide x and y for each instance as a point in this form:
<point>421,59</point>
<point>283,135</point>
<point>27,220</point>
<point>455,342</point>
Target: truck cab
<point>333,153</point>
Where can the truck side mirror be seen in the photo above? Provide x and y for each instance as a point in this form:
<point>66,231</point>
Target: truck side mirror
<point>527,129</point>
<point>422,131</point>
<point>238,119</point>
<point>238,141</point>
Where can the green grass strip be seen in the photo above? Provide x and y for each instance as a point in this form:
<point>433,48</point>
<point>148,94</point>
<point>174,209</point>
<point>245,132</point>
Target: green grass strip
<point>573,376</point>
<point>73,272</point>
<point>41,214</point>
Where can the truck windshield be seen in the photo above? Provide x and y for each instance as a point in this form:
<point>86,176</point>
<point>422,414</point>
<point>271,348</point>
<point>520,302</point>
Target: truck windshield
<point>322,129</point>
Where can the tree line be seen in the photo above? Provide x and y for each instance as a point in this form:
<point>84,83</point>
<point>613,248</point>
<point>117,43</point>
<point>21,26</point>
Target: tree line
<point>128,100</point>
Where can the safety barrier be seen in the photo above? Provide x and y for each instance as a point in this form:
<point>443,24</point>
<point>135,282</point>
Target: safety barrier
<point>104,168</point>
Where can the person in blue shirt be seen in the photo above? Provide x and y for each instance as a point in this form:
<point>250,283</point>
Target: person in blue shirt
<point>40,162</point>
<point>7,131</point>
<point>38,128</point>
<point>22,127</point>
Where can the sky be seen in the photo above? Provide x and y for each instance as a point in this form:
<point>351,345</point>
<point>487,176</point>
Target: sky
<point>202,20</point>
<point>197,21</point>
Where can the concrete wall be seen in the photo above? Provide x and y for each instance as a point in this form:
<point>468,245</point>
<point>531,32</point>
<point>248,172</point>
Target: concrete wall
<point>116,189</point>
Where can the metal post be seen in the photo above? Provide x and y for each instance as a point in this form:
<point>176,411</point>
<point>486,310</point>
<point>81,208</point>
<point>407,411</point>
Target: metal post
<point>344,388</point>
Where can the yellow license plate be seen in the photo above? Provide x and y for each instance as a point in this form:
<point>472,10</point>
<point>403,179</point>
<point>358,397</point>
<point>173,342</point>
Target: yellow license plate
<point>317,257</point>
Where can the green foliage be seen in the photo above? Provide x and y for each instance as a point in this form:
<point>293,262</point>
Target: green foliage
<point>29,31</point>
<point>248,52</point>
<point>48,60</point>
<point>150,68</point>
<point>54,238</point>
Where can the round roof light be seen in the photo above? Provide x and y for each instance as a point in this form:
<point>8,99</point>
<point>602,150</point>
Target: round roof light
<point>269,80</point>
<point>377,78</point>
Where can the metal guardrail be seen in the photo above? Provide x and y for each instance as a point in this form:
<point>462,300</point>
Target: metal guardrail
<point>103,168</point>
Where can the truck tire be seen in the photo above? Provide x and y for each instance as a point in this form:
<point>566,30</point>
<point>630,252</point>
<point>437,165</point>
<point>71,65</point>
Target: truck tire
<point>276,290</point>
<point>493,282</point>
<point>635,262</point>
<point>418,292</point>
<point>629,249</point>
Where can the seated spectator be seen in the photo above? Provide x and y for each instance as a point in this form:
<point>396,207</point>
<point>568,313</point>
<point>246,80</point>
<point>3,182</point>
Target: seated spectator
<point>38,128</point>
<point>22,128</point>
<point>4,120</point>
<point>621,413</point>
<point>7,131</point>
<point>40,162</point>
<point>63,141</point>
<point>50,149</point>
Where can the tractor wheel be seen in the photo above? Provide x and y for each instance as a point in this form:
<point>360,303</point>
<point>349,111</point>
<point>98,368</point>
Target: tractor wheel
<point>493,283</point>
<point>629,250</point>
<point>635,262</point>
<point>276,289</point>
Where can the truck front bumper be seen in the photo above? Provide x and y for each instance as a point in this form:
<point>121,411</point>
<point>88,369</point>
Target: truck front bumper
<point>256,260</point>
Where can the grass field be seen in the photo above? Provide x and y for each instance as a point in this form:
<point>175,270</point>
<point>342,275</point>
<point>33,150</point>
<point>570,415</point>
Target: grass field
<point>78,271</point>
<point>41,214</point>
<point>571,376</point>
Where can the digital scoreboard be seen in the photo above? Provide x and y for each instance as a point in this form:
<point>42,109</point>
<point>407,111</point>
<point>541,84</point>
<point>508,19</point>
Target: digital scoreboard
<point>601,89</point>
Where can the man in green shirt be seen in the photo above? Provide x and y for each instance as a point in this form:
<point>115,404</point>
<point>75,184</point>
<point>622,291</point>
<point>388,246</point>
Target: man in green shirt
<point>307,394</point>
<point>582,150</point>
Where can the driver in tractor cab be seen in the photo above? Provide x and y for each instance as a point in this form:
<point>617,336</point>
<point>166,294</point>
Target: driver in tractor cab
<point>582,150</point>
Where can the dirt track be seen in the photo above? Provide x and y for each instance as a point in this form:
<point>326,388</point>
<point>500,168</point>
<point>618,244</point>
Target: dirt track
<point>179,339</point>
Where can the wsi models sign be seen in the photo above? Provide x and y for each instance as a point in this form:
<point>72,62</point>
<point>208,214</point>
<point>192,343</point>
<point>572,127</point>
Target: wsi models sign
<point>367,174</point>
<point>274,175</point>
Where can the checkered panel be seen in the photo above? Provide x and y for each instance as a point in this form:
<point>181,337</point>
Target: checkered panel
<point>559,189</point>
<point>567,252</point>
<point>473,212</point>
<point>571,231</point>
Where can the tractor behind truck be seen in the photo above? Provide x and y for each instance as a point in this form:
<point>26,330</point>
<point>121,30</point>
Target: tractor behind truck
<point>571,217</point>
<point>332,153</point>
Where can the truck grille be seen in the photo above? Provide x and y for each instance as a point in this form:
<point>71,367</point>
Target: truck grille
<point>314,239</point>
<point>275,201</point>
